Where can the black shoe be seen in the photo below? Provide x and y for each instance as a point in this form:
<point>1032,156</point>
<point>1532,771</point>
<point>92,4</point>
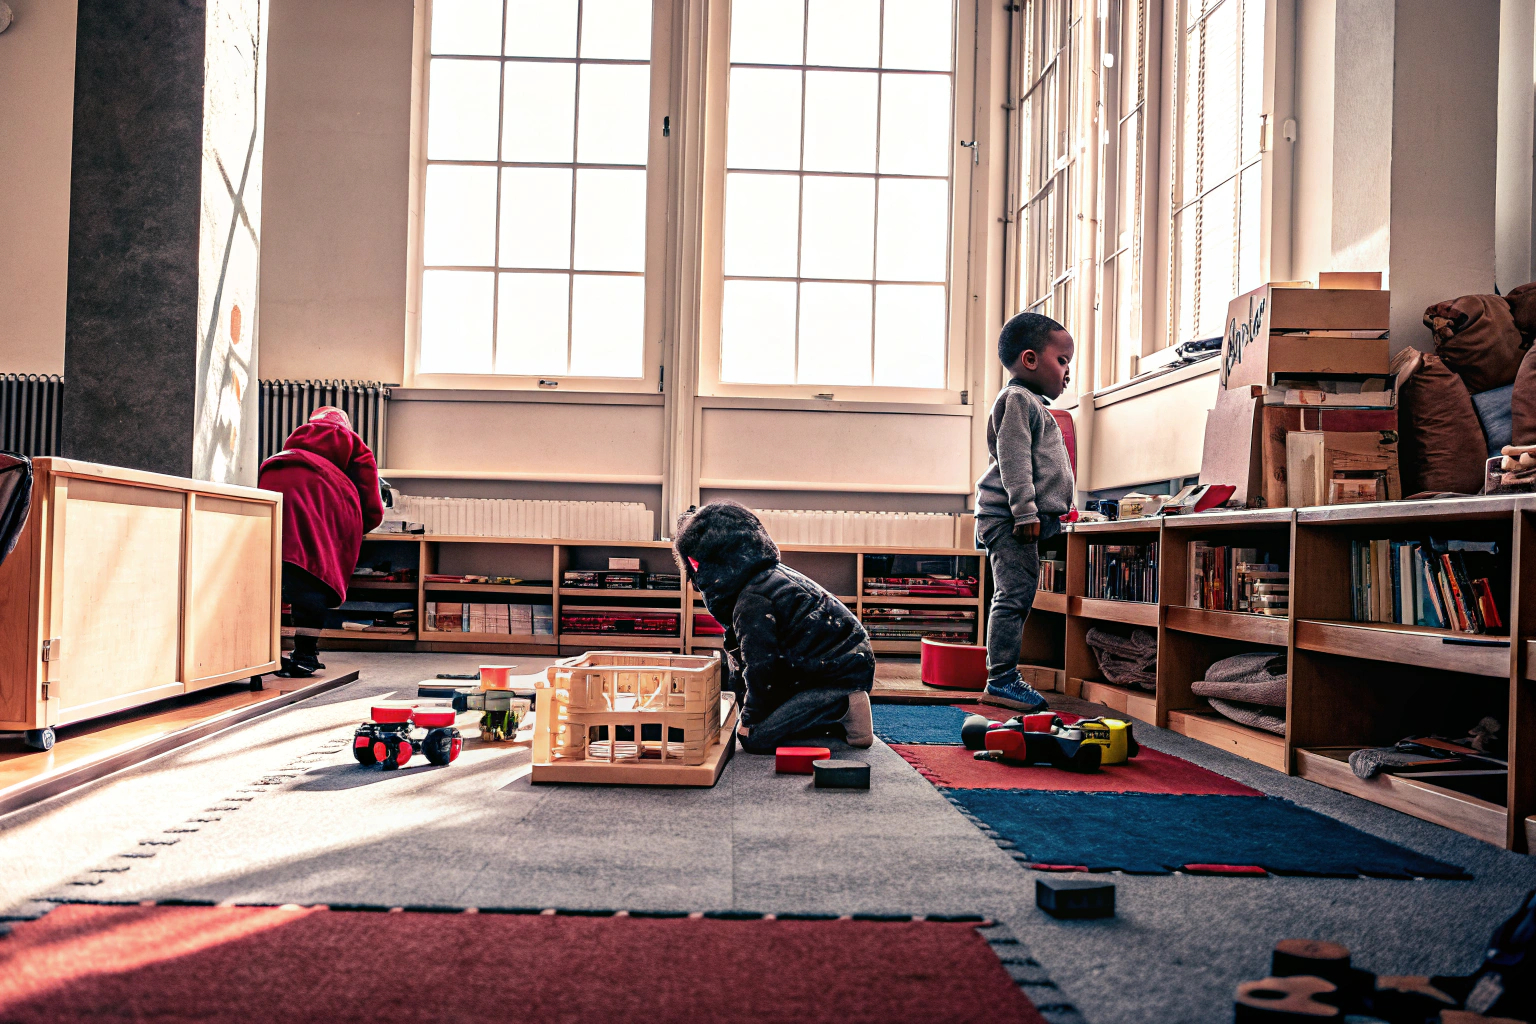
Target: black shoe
<point>293,670</point>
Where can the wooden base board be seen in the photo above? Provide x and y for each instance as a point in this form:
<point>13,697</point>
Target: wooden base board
<point>1254,744</point>
<point>900,681</point>
<point>90,751</point>
<point>1044,677</point>
<point>1477,818</point>
<point>651,773</point>
<point>1136,703</point>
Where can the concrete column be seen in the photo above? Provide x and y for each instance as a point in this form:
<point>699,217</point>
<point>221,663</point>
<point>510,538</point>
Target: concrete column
<point>164,241</point>
<point>1445,97</point>
<point>1517,143</point>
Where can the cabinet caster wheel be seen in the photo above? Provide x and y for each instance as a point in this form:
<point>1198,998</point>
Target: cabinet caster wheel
<point>40,739</point>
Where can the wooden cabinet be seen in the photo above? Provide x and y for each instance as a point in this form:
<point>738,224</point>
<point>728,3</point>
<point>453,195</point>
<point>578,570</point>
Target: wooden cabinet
<point>127,587</point>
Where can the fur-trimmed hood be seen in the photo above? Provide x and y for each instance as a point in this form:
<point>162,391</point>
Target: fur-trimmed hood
<point>728,544</point>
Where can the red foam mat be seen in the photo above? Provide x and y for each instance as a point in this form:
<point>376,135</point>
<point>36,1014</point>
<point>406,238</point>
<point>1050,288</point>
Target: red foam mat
<point>953,767</point>
<point>91,963</point>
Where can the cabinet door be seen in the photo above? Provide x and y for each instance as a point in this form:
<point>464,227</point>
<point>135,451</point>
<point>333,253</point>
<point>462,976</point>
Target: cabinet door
<point>230,591</point>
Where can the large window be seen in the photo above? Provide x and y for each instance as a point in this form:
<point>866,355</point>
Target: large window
<point>837,239</point>
<point>534,238</point>
<point>1129,169</point>
<point>1217,206</point>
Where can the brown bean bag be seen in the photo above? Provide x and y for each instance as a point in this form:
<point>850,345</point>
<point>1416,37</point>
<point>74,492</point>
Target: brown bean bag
<point>1522,306</point>
<point>1523,403</point>
<point>1476,337</point>
<point>1440,442</point>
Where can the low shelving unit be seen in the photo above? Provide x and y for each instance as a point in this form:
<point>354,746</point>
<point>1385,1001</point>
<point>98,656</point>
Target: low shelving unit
<point>1084,677</point>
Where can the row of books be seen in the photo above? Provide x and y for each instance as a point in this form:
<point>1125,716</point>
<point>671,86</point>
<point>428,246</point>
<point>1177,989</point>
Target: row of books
<point>506,581</point>
<point>705,624</point>
<point>1236,579</point>
<point>367,574</point>
<point>621,579</point>
<point>901,529</point>
<point>584,620</point>
<point>1444,584</point>
<point>475,617</point>
<point>920,586</point>
<point>1122,572</point>
<point>1053,576</point>
<point>520,517</point>
<point>915,623</point>
<point>373,617</point>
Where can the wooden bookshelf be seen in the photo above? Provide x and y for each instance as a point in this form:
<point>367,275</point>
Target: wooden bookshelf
<point>1208,727</point>
<point>1131,613</point>
<point>510,589</point>
<point>1406,645</point>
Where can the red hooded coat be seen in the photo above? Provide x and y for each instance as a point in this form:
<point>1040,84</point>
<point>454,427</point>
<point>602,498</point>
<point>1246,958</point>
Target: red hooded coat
<point>330,487</point>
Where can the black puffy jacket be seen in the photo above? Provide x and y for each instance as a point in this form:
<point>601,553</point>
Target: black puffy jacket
<point>783,632</point>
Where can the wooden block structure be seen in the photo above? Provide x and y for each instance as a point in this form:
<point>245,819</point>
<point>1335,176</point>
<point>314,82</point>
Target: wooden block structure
<point>670,703</point>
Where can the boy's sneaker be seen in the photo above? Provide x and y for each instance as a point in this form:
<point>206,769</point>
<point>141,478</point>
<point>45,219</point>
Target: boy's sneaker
<point>1011,691</point>
<point>859,722</point>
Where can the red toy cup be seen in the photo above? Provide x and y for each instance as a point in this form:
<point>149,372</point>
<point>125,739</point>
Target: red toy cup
<point>797,760</point>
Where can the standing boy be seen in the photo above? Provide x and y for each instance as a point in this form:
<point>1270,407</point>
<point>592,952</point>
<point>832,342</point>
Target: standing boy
<point>1027,487</point>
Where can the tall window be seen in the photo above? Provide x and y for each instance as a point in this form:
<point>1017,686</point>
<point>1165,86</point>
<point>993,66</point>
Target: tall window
<point>1218,167</point>
<point>1125,173</point>
<point>837,235</point>
<point>538,136</point>
<point>1047,200</point>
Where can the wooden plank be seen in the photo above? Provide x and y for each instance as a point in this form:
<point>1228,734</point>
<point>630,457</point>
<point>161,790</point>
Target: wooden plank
<point>1145,524</point>
<point>603,640</point>
<point>1237,519</point>
<point>20,592</point>
<point>660,595</point>
<point>1407,645</point>
<point>1520,732</point>
<point>1137,703</point>
<point>357,634</point>
<point>644,774</point>
<point>229,587</point>
<point>443,637</point>
<point>1254,744</point>
<point>1480,819</point>
<point>1135,613</point>
<point>1048,602</point>
<point>1257,629</point>
<point>1493,506</point>
<point>118,474</point>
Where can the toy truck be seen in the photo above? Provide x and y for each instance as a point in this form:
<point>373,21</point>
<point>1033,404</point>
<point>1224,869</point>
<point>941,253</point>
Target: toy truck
<point>1045,739</point>
<point>397,730</point>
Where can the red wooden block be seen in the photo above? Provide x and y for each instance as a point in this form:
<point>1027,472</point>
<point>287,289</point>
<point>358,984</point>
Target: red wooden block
<point>797,760</point>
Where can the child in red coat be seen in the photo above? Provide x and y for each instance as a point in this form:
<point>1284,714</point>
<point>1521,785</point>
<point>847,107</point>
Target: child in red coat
<point>330,487</point>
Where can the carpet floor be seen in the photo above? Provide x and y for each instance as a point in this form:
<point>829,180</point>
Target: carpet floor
<point>275,812</point>
<point>308,966</point>
<point>1150,771</point>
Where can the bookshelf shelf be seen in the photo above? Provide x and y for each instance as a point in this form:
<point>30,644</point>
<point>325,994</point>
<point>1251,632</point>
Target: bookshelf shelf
<point>1245,626</point>
<point>711,643</point>
<point>449,637</point>
<point>660,595</point>
<point>897,646</point>
<point>490,588</point>
<point>904,602</point>
<point>1254,744</point>
<point>363,634</point>
<point>1479,818</point>
<point>606,640</point>
<point>1407,645</point>
<point>1134,613</point>
<point>365,584</point>
<point>1139,704</point>
<point>1048,602</point>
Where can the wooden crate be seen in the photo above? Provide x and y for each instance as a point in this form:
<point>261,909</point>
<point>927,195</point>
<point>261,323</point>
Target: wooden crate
<point>1254,348</point>
<point>671,704</point>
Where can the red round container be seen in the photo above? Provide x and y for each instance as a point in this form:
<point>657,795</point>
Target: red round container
<point>386,714</point>
<point>954,666</point>
<point>432,718</point>
<point>797,760</point>
<point>496,677</point>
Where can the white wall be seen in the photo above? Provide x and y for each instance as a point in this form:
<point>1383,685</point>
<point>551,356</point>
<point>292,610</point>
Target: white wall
<point>1517,114</point>
<point>37,97</point>
<point>1312,176</point>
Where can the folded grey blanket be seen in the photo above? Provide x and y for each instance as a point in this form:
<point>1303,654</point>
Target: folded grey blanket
<point>1255,715</point>
<point>1257,677</point>
<point>1126,661</point>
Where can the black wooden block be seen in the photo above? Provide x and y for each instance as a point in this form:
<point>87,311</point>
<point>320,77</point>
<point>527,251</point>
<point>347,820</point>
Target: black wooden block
<point>1062,897</point>
<point>841,774</point>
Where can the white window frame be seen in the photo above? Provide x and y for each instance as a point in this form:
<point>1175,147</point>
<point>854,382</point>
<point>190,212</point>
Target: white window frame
<point>658,182</point>
<point>712,277</point>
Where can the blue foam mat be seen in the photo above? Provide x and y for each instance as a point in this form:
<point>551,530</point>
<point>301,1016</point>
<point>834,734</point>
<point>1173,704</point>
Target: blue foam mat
<point>1155,833</point>
<point>918,723</point>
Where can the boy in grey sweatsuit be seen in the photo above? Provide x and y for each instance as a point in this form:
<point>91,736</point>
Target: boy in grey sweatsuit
<point>1027,487</point>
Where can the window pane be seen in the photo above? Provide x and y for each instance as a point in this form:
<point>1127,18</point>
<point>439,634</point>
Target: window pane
<point>837,227</point>
<point>1184,296</point>
<point>757,332</point>
<point>541,28</point>
<point>461,113</point>
<point>1253,76</point>
<point>466,26</point>
<point>1218,270</point>
<point>460,226</point>
<point>762,212</point>
<point>913,242</point>
<point>608,326</point>
<point>531,315</point>
<point>764,119</point>
<point>539,121</point>
<point>613,123</point>
<point>909,336</point>
<point>610,220</point>
<point>1189,171</point>
<point>917,35</point>
<point>536,217</point>
<point>843,33</point>
<point>768,32</point>
<point>840,120</point>
<point>914,124</point>
<point>455,321</point>
<point>1218,130</point>
<point>1252,186</point>
<point>834,333</point>
<point>616,29</point>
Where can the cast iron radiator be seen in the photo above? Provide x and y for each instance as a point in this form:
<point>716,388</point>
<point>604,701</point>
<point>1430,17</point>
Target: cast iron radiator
<point>285,404</point>
<point>31,413</point>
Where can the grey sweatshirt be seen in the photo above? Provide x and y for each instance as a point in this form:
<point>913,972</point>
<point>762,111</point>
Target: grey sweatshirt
<point>1029,476</point>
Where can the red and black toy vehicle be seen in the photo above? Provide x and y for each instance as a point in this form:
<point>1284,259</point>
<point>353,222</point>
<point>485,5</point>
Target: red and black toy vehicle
<point>1045,739</point>
<point>397,730</point>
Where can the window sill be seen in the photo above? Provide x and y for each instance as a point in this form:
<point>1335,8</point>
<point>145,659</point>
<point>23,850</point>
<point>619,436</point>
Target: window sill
<point>825,405</point>
<point>1155,381</point>
<point>550,397</point>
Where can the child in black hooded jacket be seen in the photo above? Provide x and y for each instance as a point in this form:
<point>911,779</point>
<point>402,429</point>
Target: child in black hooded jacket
<point>800,662</point>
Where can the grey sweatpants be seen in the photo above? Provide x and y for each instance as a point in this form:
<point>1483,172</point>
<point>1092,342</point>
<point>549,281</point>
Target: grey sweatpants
<point>1015,569</point>
<point>809,713</point>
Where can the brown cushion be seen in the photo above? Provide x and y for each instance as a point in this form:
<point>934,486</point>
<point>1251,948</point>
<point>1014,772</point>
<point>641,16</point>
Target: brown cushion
<point>1522,306</point>
<point>1440,443</point>
<point>1476,337</point>
<point>1522,411</point>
